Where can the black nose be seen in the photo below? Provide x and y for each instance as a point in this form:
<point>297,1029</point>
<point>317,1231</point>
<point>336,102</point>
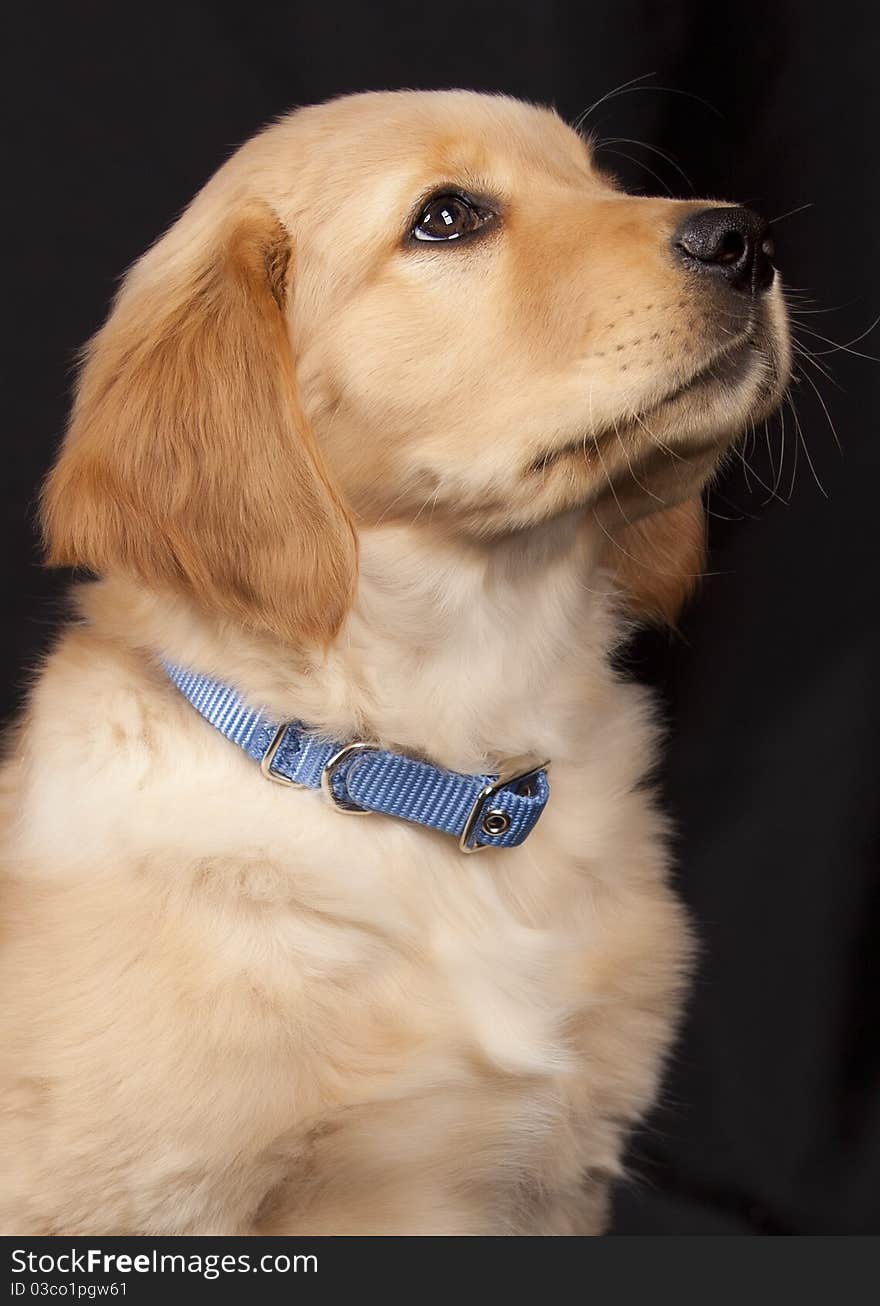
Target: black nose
<point>732,243</point>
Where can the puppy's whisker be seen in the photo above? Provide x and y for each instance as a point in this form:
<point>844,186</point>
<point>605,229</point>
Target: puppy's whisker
<point>846,347</point>
<point>802,443</point>
<point>774,471</point>
<point>626,140</point>
<point>807,356</point>
<point>811,383</point>
<point>623,450</point>
<point>590,434</point>
<point>795,444</point>
<point>655,439</point>
<point>597,446</point>
<point>742,513</point>
<point>778,480</point>
<point>809,459</point>
<point>719,516</point>
<point>791,212</point>
<point>793,303</point>
<point>749,470</point>
<point>639,164</point>
<point>743,452</point>
<point>609,95</point>
<point>630,87</point>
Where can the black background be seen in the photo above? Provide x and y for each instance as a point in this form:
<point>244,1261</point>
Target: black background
<point>770,1120</point>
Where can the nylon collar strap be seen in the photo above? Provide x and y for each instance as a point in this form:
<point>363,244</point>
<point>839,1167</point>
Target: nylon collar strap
<point>481,811</point>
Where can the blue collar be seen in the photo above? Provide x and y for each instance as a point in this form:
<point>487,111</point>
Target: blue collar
<point>481,811</point>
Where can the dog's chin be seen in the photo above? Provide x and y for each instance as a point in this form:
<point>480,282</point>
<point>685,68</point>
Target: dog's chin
<point>667,452</point>
<point>639,463</point>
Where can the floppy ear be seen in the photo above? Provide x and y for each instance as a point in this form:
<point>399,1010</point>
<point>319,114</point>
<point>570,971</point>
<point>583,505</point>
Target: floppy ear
<point>188,462</point>
<point>659,560</point>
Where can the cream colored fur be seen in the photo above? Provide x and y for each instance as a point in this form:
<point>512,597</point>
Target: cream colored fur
<point>229,1009</point>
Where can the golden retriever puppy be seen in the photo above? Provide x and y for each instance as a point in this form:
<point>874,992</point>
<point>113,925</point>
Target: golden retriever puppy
<point>388,437</point>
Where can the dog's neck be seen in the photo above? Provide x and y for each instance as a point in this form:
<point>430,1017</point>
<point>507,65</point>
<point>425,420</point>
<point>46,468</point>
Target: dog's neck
<point>466,653</point>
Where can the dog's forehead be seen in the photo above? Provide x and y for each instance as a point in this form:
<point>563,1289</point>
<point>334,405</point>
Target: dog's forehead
<point>435,132</point>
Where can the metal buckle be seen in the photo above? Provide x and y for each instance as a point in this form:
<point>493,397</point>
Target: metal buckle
<point>269,757</point>
<point>330,770</point>
<point>516,770</point>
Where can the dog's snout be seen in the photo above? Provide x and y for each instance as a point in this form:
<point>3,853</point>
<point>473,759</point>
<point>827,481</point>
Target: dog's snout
<point>733,243</point>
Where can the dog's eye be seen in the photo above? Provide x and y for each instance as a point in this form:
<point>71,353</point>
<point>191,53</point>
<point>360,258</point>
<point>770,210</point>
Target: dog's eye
<point>449,217</point>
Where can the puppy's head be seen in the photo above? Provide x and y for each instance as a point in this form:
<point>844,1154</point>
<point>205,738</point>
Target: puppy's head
<point>406,306</point>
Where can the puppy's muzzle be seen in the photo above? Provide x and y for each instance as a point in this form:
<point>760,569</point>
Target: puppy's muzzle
<point>730,244</point>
